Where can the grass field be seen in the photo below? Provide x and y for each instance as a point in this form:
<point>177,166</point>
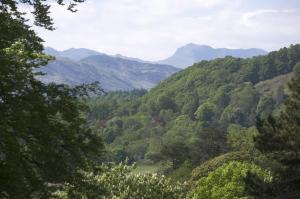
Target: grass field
<point>146,168</point>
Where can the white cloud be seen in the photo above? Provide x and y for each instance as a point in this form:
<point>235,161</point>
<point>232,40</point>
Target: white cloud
<point>153,29</point>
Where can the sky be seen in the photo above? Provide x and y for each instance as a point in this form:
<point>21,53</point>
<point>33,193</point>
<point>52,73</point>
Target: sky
<point>154,29</point>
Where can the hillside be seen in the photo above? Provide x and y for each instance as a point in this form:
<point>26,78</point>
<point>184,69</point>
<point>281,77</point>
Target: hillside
<point>192,53</point>
<point>187,116</point>
<point>270,87</point>
<point>112,72</point>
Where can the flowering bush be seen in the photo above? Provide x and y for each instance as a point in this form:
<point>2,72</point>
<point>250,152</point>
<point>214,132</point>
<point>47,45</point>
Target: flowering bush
<point>118,182</point>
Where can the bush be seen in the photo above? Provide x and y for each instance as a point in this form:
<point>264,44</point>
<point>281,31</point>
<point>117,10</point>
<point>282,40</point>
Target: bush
<point>119,182</point>
<point>204,169</point>
<point>227,181</point>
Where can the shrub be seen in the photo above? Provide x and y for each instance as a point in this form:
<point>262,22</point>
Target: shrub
<point>119,182</point>
<point>227,181</point>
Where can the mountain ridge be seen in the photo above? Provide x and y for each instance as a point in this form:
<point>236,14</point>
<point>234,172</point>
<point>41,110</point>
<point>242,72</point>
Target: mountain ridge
<point>117,72</point>
<point>192,53</point>
<point>113,73</point>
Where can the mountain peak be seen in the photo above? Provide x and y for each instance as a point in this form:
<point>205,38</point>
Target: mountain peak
<point>191,53</point>
<point>193,45</point>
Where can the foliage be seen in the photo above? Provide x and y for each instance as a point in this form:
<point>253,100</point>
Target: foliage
<point>265,106</point>
<point>240,138</point>
<point>181,174</point>
<point>279,139</point>
<point>205,168</point>
<point>296,69</point>
<point>227,181</point>
<point>118,182</point>
<point>41,10</point>
<point>206,112</point>
<point>43,128</point>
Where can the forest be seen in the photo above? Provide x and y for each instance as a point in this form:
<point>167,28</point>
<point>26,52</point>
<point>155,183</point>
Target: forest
<point>225,128</point>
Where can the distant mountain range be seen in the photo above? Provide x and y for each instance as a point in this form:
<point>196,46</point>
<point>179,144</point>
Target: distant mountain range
<point>77,66</point>
<point>192,53</point>
<point>117,72</point>
<point>75,54</point>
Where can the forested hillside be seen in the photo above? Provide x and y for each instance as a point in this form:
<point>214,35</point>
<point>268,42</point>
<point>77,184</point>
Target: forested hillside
<point>220,129</point>
<point>189,115</point>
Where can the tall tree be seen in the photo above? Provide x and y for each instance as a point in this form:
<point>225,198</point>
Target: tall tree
<point>279,138</point>
<point>43,133</point>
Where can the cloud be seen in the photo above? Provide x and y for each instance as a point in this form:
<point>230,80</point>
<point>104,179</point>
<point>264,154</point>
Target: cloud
<point>250,18</point>
<point>153,29</point>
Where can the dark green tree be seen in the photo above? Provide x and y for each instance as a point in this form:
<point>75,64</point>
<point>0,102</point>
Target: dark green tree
<point>44,137</point>
<point>166,102</point>
<point>177,151</point>
<point>296,69</point>
<point>279,139</point>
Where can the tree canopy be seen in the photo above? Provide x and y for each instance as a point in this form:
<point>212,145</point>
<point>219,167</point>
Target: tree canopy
<point>44,136</point>
<point>41,10</point>
<point>278,138</point>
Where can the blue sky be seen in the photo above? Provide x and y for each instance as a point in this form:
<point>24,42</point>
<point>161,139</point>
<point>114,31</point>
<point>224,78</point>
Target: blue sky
<point>153,29</point>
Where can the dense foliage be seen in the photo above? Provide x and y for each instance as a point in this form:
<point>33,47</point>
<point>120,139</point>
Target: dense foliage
<point>118,182</point>
<point>279,139</point>
<point>227,181</point>
<point>205,168</point>
<point>44,136</point>
<point>41,10</point>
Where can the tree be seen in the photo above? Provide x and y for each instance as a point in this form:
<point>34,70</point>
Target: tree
<point>166,102</point>
<point>265,106</point>
<point>296,69</point>
<point>279,139</point>
<point>206,112</point>
<point>44,137</point>
<point>240,138</point>
<point>209,166</point>
<point>177,151</point>
<point>227,181</point>
<point>40,10</point>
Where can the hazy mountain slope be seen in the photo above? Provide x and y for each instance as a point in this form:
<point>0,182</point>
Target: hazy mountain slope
<point>192,53</point>
<point>52,51</point>
<point>113,73</point>
<point>133,59</point>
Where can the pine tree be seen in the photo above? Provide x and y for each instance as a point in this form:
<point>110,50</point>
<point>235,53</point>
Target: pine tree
<point>279,139</point>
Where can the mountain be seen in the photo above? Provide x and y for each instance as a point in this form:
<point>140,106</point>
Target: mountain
<point>192,53</point>
<point>75,54</point>
<point>118,72</point>
<point>112,72</point>
<point>133,59</point>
